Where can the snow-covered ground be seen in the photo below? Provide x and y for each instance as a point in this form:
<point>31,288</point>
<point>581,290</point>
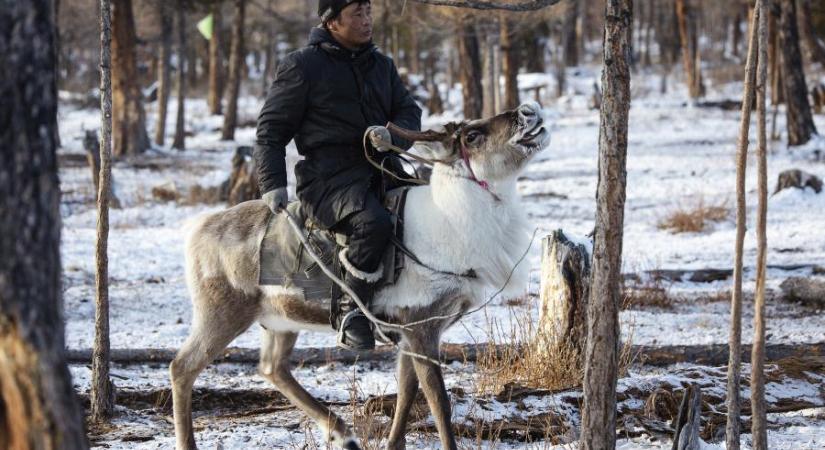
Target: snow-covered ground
<point>678,155</point>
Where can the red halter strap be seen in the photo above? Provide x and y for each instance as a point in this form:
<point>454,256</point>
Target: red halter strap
<point>484,185</point>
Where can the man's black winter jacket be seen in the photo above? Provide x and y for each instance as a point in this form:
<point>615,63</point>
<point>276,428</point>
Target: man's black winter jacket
<point>325,96</point>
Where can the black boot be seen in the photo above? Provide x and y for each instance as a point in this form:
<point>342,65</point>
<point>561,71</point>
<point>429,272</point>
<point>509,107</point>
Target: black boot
<point>354,329</point>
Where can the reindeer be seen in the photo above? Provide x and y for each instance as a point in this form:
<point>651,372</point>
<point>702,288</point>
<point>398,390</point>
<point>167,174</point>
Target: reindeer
<point>457,225</point>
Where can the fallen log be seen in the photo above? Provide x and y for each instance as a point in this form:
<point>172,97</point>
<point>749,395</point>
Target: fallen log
<point>713,355</point>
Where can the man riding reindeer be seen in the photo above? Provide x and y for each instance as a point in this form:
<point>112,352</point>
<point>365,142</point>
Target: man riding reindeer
<point>327,96</point>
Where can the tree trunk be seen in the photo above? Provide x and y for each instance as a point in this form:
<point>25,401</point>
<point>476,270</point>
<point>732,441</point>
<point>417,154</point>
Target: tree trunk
<point>164,78</point>
<point>649,18</point>
<point>489,81</point>
<point>270,61</point>
<point>129,119</point>
<point>814,48</point>
<point>759,417</point>
<point>179,141</point>
<point>775,74</point>
<point>535,41</point>
<point>236,60</point>
<point>735,340</point>
<point>38,407</point>
<point>469,70</point>
<point>509,64</point>
<point>737,33</point>
<point>602,352</point>
<point>800,123</point>
<point>569,37</point>
<point>565,283</point>
<point>216,60</point>
<point>689,37</point>
<point>102,396</point>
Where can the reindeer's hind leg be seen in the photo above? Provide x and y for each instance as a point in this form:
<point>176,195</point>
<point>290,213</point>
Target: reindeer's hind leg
<point>432,383</point>
<point>275,367</point>
<point>213,328</point>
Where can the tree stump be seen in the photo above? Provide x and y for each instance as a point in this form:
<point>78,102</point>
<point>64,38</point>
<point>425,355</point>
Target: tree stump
<point>243,180</point>
<point>689,422</point>
<point>795,178</point>
<point>565,284</point>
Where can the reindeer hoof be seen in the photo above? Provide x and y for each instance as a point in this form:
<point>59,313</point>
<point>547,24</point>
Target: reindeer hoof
<point>352,445</point>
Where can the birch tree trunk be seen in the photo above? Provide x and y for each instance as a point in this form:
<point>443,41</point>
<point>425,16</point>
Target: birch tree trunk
<point>800,122</point>
<point>735,339</point>
<point>164,77</point>
<point>216,60</point>
<point>39,410</point>
<point>602,351</point>
<point>128,117</point>
<point>102,396</point>
<point>179,141</point>
<point>236,60</point>
<point>758,414</point>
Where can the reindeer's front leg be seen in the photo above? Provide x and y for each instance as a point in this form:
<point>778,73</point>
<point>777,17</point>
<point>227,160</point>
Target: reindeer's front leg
<point>432,382</point>
<point>407,391</point>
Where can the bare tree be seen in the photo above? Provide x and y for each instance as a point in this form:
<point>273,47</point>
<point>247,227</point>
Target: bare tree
<point>689,35</point>
<point>216,59</point>
<point>814,48</point>
<point>800,122</point>
<point>236,60</point>
<point>129,119</point>
<point>735,339</point>
<point>164,78</point>
<point>469,62</point>
<point>509,63</point>
<point>569,37</point>
<point>102,400</point>
<point>38,407</point>
<point>758,414</point>
<point>602,351</point>
<point>179,141</point>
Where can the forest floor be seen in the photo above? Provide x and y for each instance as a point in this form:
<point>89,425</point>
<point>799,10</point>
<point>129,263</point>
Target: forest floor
<point>680,160</point>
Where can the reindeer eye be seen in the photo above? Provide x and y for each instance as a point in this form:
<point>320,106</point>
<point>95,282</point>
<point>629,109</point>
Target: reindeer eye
<point>474,137</point>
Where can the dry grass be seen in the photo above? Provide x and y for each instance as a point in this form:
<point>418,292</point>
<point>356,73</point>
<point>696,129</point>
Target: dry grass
<point>650,293</point>
<point>535,358</point>
<point>695,218</point>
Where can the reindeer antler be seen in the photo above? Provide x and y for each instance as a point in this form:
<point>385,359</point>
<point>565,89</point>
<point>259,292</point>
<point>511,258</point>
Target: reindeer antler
<point>416,136</point>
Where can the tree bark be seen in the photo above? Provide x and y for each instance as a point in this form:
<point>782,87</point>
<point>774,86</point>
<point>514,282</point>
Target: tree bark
<point>814,48</point>
<point>38,407</point>
<point>775,74</point>
<point>469,70</point>
<point>602,352</point>
<point>164,77</point>
<point>129,119</point>
<point>735,340</point>
<point>799,120</point>
<point>216,61</point>
<point>102,396</point>
<point>179,141</point>
<point>236,60</point>
<point>509,64</point>
<point>759,416</point>
<point>689,36</point>
<point>565,283</point>
<point>489,82</point>
<point>570,43</point>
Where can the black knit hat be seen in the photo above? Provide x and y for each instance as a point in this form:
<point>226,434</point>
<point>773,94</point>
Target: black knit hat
<point>329,9</point>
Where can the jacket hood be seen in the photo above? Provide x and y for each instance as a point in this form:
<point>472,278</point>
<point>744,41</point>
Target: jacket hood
<point>321,37</point>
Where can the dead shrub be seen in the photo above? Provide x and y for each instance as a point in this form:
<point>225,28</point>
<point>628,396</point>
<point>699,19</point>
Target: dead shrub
<point>694,219</point>
<point>645,292</point>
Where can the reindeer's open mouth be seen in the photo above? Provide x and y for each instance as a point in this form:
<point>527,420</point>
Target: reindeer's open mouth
<point>535,139</point>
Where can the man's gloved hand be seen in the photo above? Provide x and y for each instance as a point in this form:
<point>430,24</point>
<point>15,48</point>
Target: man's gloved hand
<point>276,199</point>
<point>380,138</point>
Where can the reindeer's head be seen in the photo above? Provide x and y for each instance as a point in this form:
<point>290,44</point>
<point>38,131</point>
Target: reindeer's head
<point>496,148</point>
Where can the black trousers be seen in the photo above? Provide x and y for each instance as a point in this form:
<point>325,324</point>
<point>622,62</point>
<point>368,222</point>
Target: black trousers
<point>369,231</point>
